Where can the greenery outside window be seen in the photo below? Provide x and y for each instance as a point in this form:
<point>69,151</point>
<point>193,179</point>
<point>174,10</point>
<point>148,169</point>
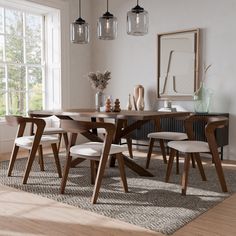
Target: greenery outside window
<point>29,59</point>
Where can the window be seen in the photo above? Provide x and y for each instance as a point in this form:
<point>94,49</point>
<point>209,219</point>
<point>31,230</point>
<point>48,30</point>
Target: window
<point>29,59</point>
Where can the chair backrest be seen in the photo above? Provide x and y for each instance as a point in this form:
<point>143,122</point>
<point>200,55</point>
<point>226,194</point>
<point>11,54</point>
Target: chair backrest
<point>211,124</point>
<point>86,128</point>
<point>21,122</point>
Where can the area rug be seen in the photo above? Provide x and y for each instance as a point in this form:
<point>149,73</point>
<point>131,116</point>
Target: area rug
<point>150,203</point>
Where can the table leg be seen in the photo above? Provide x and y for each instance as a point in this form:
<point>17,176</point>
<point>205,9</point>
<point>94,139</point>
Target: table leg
<point>136,168</point>
<point>122,132</point>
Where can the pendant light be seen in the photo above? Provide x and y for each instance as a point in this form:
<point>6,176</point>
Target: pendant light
<point>107,26</point>
<point>137,21</point>
<point>80,30</point>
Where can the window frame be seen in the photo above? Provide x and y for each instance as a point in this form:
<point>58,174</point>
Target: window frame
<point>53,71</point>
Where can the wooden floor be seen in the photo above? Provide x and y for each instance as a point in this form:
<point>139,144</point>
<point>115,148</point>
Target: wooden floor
<point>26,214</point>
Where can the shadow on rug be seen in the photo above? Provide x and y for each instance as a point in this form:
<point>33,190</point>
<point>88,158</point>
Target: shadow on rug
<point>150,203</point>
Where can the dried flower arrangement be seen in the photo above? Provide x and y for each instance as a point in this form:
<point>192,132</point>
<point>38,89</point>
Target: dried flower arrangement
<point>99,81</point>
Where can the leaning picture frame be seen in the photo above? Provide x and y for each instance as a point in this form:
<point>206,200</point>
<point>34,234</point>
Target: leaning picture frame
<point>178,64</point>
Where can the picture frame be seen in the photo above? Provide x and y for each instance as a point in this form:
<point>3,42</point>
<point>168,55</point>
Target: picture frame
<point>178,64</point>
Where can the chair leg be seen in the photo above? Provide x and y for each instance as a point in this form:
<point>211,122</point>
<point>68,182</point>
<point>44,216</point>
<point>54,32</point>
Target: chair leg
<point>163,150</point>
<point>66,140</point>
<point>151,143</point>
<point>129,144</point>
<point>65,174</point>
<point>193,161</point>
<point>184,181</point>
<point>12,160</point>
<point>56,157</point>
<point>41,162</point>
<point>121,165</point>
<point>177,162</point>
<point>59,143</point>
<point>29,164</point>
<point>93,171</point>
<point>98,181</point>
<point>170,164</point>
<point>200,167</point>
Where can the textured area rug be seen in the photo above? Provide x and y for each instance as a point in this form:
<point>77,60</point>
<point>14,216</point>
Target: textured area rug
<point>150,203</point>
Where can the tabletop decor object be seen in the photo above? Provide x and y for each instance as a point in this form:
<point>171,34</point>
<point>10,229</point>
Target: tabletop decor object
<point>99,82</point>
<point>129,104</point>
<point>202,97</point>
<point>138,97</point>
<point>117,105</point>
<point>108,107</point>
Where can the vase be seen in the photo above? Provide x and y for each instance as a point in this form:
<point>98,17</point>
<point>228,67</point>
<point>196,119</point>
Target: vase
<point>99,100</point>
<point>136,95</point>
<point>202,100</point>
<point>140,101</point>
<point>129,104</point>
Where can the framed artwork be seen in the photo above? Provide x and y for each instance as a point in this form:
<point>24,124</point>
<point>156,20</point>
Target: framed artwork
<point>178,64</point>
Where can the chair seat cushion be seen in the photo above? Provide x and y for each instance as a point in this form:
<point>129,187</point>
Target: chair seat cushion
<point>168,135</point>
<point>189,146</point>
<point>94,149</point>
<point>53,130</point>
<point>27,141</point>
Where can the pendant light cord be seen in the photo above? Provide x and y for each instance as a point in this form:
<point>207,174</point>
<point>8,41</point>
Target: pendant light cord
<point>137,2</point>
<point>107,5</point>
<point>79,8</point>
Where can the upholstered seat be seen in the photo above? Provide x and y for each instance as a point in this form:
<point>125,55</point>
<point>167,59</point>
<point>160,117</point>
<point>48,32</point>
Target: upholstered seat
<point>189,146</point>
<point>94,149</point>
<point>27,141</point>
<point>168,135</point>
<point>53,130</point>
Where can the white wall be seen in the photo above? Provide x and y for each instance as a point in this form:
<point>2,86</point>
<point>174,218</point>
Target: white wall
<point>133,60</point>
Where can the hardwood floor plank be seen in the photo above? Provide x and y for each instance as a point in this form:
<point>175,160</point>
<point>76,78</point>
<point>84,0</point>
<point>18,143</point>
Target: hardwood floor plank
<point>24,213</point>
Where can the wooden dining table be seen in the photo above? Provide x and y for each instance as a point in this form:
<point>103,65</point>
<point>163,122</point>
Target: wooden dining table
<point>123,128</point>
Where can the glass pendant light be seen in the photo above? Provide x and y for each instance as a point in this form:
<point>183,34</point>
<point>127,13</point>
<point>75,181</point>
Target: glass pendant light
<point>107,26</point>
<point>80,30</point>
<point>137,21</point>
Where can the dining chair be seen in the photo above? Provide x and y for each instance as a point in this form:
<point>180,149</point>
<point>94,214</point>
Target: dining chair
<point>193,148</point>
<point>31,143</point>
<point>53,131</point>
<point>96,151</point>
<point>162,137</point>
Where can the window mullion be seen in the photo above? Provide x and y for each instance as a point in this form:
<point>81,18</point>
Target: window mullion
<point>26,67</point>
<point>43,60</point>
<point>5,66</point>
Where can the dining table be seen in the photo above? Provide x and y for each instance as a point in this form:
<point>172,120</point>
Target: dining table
<point>123,128</point>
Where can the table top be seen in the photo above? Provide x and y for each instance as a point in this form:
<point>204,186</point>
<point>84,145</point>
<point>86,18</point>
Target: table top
<point>124,114</point>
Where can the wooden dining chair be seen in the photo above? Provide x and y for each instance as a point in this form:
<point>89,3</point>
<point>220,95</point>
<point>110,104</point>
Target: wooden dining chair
<point>97,151</point>
<point>164,136</point>
<point>50,130</point>
<point>31,143</point>
<point>53,131</point>
<point>193,148</point>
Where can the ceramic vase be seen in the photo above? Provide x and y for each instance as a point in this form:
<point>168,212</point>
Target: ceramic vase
<point>202,100</point>
<point>140,101</point>
<point>129,104</point>
<point>99,100</point>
